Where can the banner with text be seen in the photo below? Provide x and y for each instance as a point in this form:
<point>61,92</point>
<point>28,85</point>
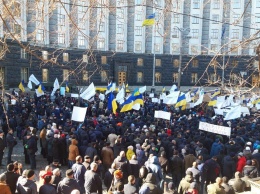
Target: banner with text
<point>215,128</point>
<point>162,115</point>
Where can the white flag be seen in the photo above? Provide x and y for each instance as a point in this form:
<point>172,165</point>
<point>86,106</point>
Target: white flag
<point>34,80</point>
<point>233,113</point>
<point>171,98</point>
<point>56,86</point>
<point>120,95</point>
<point>200,100</point>
<point>173,88</point>
<point>38,94</point>
<point>187,96</point>
<point>89,92</point>
<point>29,85</point>
<point>142,89</point>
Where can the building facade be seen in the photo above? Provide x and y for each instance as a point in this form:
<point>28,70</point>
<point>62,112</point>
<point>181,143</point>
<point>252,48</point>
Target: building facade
<point>98,41</point>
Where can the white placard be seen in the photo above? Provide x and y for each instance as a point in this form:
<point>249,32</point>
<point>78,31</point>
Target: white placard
<point>74,95</point>
<point>101,97</point>
<point>78,114</point>
<point>13,101</point>
<point>218,111</point>
<point>162,115</point>
<point>155,100</point>
<point>151,95</point>
<point>215,128</point>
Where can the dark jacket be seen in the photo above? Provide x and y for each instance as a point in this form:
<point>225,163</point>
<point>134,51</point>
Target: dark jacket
<point>11,180</point>
<point>47,189</point>
<point>93,183</point>
<point>67,185</point>
<point>2,144</point>
<point>134,168</point>
<point>176,165</point>
<point>108,177</point>
<point>32,145</point>
<point>210,170</point>
<point>10,140</point>
<point>79,172</point>
<point>229,167</point>
<point>27,187</point>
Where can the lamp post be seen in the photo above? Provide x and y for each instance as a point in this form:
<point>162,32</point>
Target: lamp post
<point>258,53</point>
<point>181,30</point>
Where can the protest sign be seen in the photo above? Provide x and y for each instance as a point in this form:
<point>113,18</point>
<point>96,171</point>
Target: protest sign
<point>215,128</point>
<point>162,115</point>
<point>62,91</point>
<point>151,95</point>
<point>155,100</point>
<point>78,114</point>
<point>74,95</point>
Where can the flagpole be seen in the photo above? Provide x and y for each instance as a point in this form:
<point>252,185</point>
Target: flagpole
<point>153,58</point>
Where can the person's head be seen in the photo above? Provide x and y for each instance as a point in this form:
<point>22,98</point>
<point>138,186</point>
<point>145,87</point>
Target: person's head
<point>238,175</point>
<point>194,164</point>
<point>240,154</point>
<point>214,158</point>
<point>118,174</point>
<point>170,186</point>
<point>87,159</point>
<point>254,162</point>
<point>131,179</point>
<point>69,173</point>
<point>75,191</point>
<point>30,174</point>
<point>2,178</point>
<point>93,166</point>
<point>47,179</point>
<point>78,159</point>
<point>48,168</point>
<point>10,131</point>
<point>219,180</point>
<point>56,172</point>
<point>10,167</point>
<point>224,179</point>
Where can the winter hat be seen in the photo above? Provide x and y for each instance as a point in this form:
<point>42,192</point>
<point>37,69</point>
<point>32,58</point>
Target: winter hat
<point>2,177</point>
<point>249,143</point>
<point>29,173</point>
<point>248,148</point>
<point>130,147</point>
<point>118,174</point>
<point>240,154</point>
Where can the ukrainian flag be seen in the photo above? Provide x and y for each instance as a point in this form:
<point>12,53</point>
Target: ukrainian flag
<point>128,104</point>
<point>67,87</point>
<point>217,92</point>
<point>126,85</point>
<point>149,21</point>
<point>21,86</point>
<point>139,99</point>
<point>213,101</point>
<point>181,101</point>
<point>114,106</point>
<point>163,90</point>
<point>136,92</point>
<point>256,101</point>
<point>40,89</point>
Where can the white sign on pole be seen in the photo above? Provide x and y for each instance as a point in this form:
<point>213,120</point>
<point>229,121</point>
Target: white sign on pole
<point>215,128</point>
<point>155,100</point>
<point>162,115</point>
<point>78,114</point>
<point>151,95</point>
<point>74,95</point>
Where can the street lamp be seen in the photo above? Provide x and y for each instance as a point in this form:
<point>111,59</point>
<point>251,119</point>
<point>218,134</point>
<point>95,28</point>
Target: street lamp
<point>258,53</point>
<point>181,30</point>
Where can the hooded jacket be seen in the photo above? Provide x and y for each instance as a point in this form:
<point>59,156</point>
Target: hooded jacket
<point>73,150</point>
<point>154,167</point>
<point>27,187</point>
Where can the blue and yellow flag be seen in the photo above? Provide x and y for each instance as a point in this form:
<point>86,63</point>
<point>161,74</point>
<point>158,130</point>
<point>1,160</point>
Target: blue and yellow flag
<point>21,86</point>
<point>163,90</point>
<point>40,89</point>
<point>127,105</point>
<point>149,21</point>
<point>213,101</point>
<point>181,101</point>
<point>109,101</point>
<point>217,92</point>
<point>114,106</point>
<point>139,99</point>
<point>67,87</point>
<point>136,92</point>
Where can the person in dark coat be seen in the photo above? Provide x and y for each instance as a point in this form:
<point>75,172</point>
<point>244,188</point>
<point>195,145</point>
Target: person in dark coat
<point>134,166</point>
<point>91,151</point>
<point>176,167</point>
<point>11,177</point>
<point>47,188</point>
<point>130,187</point>
<point>10,143</point>
<point>257,157</point>
<point>56,147</point>
<point>79,172</point>
<point>93,183</point>
<point>108,177</point>
<point>229,165</point>
<point>2,146</point>
<point>68,184</point>
<point>32,149</point>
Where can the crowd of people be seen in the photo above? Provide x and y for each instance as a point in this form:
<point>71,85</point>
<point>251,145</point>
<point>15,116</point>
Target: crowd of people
<point>129,152</point>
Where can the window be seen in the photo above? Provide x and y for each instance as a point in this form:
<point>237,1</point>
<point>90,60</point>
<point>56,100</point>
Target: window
<point>233,78</point>
<point>103,60</point>
<point>24,74</point>
<point>65,57</point>
<point>236,4</point>
<point>120,13</point>
<point>195,19</point>
<point>234,49</point>
<point>213,77</point>
<point>156,47</point>
<point>236,18</point>
<point>257,3</point>
<point>103,76</point>
<point>138,2</point>
<point>16,28</point>
<point>140,62</point>
<point>195,33</point>
<point>194,77</point>
<point>235,33</point>
<point>175,77</point>
<point>216,4</point>
<point>45,55</point>
<point>138,45</point>
<point>2,74</point>
<point>175,48</point>
<point>214,48</point>
<point>81,24</point>
<point>120,45</point>
<point>101,27</point>
<point>61,38</point>
<point>85,58</point>
<point>157,77</point>
<point>214,34</point>
<point>138,31</point>
<point>81,40</point>
<point>119,29</point>
<point>196,4</point>
<point>194,49</point>
<point>66,75</point>
<point>257,18</point>
<point>215,18</point>
<point>85,75</point>
<point>195,62</point>
<point>139,77</point>
<point>234,63</point>
<point>40,35</point>
<point>158,62</point>
<point>45,75</point>
<point>138,16</point>
<point>61,19</point>
<point>175,33</point>
<point>176,63</point>
<point>23,54</point>
<point>176,18</point>
<point>101,43</point>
